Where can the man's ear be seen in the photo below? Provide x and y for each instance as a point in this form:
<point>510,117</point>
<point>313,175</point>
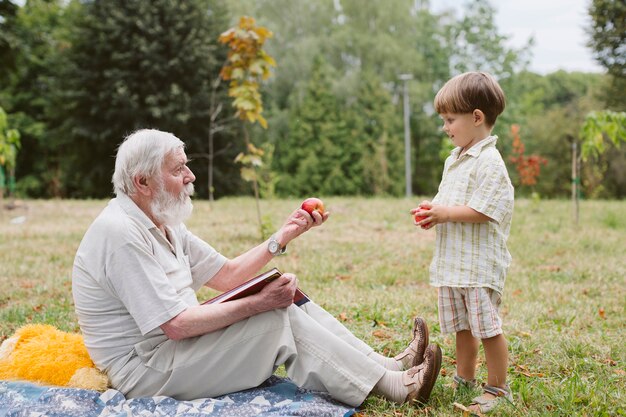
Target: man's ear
<point>478,117</point>
<point>141,185</point>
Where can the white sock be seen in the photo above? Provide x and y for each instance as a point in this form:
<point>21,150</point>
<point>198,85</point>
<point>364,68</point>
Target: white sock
<point>388,363</point>
<point>391,387</point>
<point>405,362</point>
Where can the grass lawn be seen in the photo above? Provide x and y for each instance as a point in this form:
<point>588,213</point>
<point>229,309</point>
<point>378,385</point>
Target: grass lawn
<point>564,304</point>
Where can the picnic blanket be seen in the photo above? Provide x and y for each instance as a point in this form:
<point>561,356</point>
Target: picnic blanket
<point>276,397</point>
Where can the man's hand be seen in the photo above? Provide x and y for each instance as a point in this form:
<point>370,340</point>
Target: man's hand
<point>299,222</point>
<point>277,294</point>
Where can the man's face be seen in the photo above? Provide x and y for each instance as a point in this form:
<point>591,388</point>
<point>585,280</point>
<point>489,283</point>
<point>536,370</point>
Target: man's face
<point>175,173</point>
<point>171,204</point>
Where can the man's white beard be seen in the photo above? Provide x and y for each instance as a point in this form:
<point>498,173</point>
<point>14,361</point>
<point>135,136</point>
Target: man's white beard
<point>172,210</point>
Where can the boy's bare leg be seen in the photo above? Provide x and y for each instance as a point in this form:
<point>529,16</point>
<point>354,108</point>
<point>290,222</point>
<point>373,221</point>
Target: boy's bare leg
<point>497,357</point>
<point>466,354</point>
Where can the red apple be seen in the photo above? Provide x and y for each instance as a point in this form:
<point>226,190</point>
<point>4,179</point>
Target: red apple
<point>419,218</point>
<point>311,204</point>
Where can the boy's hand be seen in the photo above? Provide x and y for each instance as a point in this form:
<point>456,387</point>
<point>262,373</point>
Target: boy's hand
<point>429,215</point>
<point>418,214</point>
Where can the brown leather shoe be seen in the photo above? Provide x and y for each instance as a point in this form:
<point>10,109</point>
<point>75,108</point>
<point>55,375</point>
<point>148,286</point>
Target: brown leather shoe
<point>421,379</point>
<point>417,347</point>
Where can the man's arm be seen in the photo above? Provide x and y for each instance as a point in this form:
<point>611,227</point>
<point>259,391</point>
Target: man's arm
<point>201,319</point>
<point>245,266</point>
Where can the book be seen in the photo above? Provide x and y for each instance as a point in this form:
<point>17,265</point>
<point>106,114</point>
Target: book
<point>255,285</point>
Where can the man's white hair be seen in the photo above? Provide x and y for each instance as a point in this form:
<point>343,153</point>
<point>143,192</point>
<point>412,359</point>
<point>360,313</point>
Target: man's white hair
<point>142,153</point>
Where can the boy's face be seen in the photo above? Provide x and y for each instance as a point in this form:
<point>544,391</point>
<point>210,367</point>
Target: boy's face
<point>464,129</point>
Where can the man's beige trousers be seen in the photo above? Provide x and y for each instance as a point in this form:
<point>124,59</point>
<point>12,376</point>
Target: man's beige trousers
<point>318,352</point>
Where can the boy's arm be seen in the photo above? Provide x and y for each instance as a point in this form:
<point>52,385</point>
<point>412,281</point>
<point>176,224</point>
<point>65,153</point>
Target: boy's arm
<point>461,214</point>
<point>436,214</point>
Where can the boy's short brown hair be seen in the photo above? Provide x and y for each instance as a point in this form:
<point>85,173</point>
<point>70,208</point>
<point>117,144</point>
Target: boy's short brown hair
<point>470,91</point>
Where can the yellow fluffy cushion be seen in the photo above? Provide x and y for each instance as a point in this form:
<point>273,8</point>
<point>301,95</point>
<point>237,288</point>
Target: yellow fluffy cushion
<point>41,353</point>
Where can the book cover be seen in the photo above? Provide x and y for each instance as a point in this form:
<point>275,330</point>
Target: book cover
<point>255,285</point>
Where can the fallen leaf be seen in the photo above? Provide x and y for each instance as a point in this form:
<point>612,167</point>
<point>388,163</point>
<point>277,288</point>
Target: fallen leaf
<point>549,268</point>
<point>620,372</point>
<point>381,334</point>
<point>523,370</point>
<point>450,360</point>
<point>466,411</point>
<point>602,313</point>
<point>343,316</point>
<point>517,292</point>
<point>343,277</point>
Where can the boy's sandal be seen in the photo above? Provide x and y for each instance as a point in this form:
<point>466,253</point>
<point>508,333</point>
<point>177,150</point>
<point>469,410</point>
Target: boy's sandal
<point>459,382</point>
<point>487,405</point>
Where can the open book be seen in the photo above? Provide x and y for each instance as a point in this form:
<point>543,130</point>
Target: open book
<point>255,285</point>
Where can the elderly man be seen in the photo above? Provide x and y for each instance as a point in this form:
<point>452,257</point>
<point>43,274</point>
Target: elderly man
<point>134,281</point>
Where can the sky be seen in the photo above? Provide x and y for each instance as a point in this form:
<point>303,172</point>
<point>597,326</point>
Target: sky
<point>558,27</point>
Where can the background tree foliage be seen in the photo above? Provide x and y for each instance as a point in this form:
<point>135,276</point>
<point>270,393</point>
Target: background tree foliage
<point>607,34</point>
<point>78,76</point>
<point>136,64</point>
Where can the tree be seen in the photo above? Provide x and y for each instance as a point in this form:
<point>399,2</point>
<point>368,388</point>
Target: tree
<point>136,64</point>
<point>608,40</point>
<point>247,64</point>
<point>375,131</point>
<point>38,34</point>
<point>8,40</point>
<point>9,145</point>
<point>478,45</point>
<point>550,110</point>
<point>314,156</point>
<point>608,34</point>
<point>600,132</point>
<point>528,166</point>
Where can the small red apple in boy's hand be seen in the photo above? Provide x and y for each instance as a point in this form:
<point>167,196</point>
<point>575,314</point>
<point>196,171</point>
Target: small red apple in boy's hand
<point>419,217</point>
<point>311,204</point>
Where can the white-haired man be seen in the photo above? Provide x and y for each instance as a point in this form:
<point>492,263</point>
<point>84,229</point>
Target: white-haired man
<point>134,281</point>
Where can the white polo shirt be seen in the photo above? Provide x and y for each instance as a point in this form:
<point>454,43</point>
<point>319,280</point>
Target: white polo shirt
<point>474,254</point>
<point>128,279</point>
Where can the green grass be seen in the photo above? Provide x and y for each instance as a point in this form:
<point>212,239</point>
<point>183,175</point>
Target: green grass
<point>563,307</point>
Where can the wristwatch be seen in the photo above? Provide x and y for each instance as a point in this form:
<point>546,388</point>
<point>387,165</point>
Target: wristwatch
<point>274,248</point>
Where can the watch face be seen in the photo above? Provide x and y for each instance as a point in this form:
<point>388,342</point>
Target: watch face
<point>273,246</point>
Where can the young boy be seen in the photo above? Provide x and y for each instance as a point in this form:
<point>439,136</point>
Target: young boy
<point>472,213</point>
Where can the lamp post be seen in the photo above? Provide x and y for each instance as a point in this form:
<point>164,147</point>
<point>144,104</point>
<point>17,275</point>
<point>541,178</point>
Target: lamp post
<point>407,134</point>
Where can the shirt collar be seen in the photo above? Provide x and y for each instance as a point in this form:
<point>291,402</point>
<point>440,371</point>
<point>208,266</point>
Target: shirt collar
<point>130,207</point>
<point>477,148</point>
